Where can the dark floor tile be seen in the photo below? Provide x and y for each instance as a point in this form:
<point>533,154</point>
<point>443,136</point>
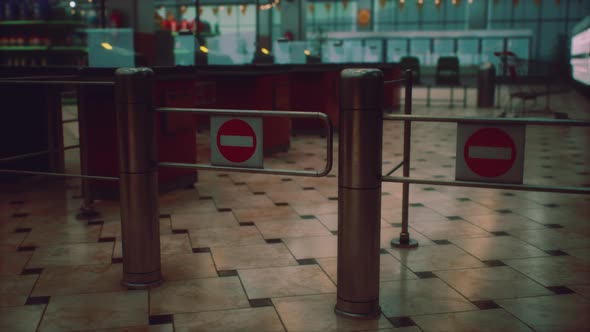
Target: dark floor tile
<point>385,194</point>
<point>165,215</point>
<point>240,183</point>
<point>334,232</point>
<point>402,321</point>
<point>425,275</point>
<point>504,211</point>
<point>161,319</point>
<point>257,303</point>
<point>308,188</point>
<point>429,189</point>
<point>180,231</point>
<point>463,199</point>
<point>508,194</point>
<point>259,193</point>
<point>31,271</point>
<point>17,202</point>
<point>203,198</point>
<point>117,260</point>
<point>307,261</point>
<point>417,205</point>
<point>494,263</point>
<point>551,205</point>
<point>107,239</point>
<point>203,249</point>
<point>331,176</point>
<point>222,175</point>
<point>270,241</point>
<point>26,248</point>
<point>307,216</point>
<point>227,273</point>
<point>286,179</point>
<point>20,215</point>
<point>95,222</point>
<point>440,176</point>
<point>38,300</point>
<point>224,210</point>
<point>290,162</point>
<point>553,226</point>
<point>560,290</point>
<point>556,253</point>
<point>333,198</point>
<point>454,218</point>
<point>247,223</point>
<point>500,233</point>
<point>548,177</point>
<point>281,204</point>
<point>442,242</point>
<point>486,305</point>
<point>396,224</point>
<point>23,230</point>
<point>448,166</point>
<point>383,251</point>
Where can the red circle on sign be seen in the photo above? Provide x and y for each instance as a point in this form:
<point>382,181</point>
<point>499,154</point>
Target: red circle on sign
<point>489,152</point>
<point>239,141</point>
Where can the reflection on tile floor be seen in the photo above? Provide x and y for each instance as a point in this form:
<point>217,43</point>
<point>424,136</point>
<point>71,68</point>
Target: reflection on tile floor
<point>251,252</point>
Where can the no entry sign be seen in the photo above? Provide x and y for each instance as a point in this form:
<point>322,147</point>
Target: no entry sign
<point>236,141</point>
<point>490,154</point>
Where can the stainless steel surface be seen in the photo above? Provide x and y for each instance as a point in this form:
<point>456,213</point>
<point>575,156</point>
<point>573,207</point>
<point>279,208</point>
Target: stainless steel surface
<point>475,184</point>
<point>71,147</point>
<point>394,81</point>
<point>487,120</point>
<point>292,114</point>
<point>136,125</point>
<point>359,193</point>
<point>395,168</point>
<point>15,171</point>
<point>404,236</point>
<point>486,85</point>
<point>83,125</point>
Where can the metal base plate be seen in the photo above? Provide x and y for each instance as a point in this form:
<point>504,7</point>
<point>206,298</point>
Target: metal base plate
<point>129,285</point>
<point>372,315</point>
<point>411,243</point>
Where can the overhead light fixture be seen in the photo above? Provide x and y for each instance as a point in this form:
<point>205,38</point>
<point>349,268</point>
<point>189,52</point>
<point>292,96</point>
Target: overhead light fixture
<point>307,52</point>
<point>203,49</point>
<point>73,4</point>
<point>264,51</point>
<point>106,46</point>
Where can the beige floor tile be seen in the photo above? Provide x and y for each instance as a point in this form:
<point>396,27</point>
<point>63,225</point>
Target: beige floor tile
<point>253,256</point>
<point>203,220</point>
<point>443,229</point>
<point>96,311</point>
<point>552,239</point>
<point>111,229</point>
<point>304,208</point>
<point>193,207</point>
<point>329,220</point>
<point>243,201</point>
<point>198,295</point>
<point>9,242</point>
<point>471,321</point>
<point>581,254</point>
<point>47,234</point>
<point>583,290</point>
<point>187,266</point>
<point>145,328</point>
<point>292,227</point>
<point>72,254</point>
<point>313,247</point>
<point>296,197</point>
<point>225,237</point>
<point>13,262</point>
<point>503,222</point>
<point>69,280</point>
<point>553,271</point>
<point>14,290</point>
<point>551,313</point>
<point>492,283</point>
<point>285,281</point>
<point>176,244</point>
<point>433,258</point>
<point>390,268</point>
<point>263,319</point>
<point>460,209</point>
<point>256,214</point>
<point>498,247</point>
<point>420,297</point>
<point>21,319</point>
<point>316,313</point>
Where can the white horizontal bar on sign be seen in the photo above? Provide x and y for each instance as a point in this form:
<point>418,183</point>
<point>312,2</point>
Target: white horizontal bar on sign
<point>237,141</point>
<point>488,152</point>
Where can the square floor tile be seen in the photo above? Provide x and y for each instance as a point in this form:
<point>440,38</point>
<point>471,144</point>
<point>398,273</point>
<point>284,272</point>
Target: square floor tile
<point>9,242</point>
<point>503,222</point>
<point>203,220</point>
<point>552,239</point>
<point>329,220</point>
<point>501,247</point>
<point>583,290</point>
<point>225,237</point>
<point>248,319</point>
<point>292,227</point>
<point>286,281</point>
<point>254,256</point>
<point>68,280</point>
<point>581,254</point>
<point>176,244</point>
<point>390,268</point>
<point>445,229</point>
<point>198,295</point>
<point>420,297</point>
<point>14,290</point>
<point>13,263</point>
<point>551,313</point>
<point>472,321</point>
<point>22,318</point>
<point>96,311</point>
<point>272,213</point>
<point>553,270</point>
<point>48,234</point>
<point>316,313</point>
<point>72,254</point>
<point>313,247</point>
<point>434,258</point>
<point>491,283</point>
<point>304,208</point>
<point>187,266</point>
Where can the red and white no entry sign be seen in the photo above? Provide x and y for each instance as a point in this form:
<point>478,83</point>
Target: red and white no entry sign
<point>491,154</point>
<point>236,142</point>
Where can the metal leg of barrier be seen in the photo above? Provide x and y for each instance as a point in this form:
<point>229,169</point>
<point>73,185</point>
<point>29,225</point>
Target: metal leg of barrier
<point>464,96</point>
<point>359,192</point>
<point>404,240</point>
<point>452,97</point>
<point>427,94</point>
<point>136,130</point>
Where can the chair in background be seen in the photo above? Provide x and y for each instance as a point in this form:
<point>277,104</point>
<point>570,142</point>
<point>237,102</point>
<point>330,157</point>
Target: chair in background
<point>410,62</point>
<point>447,70</point>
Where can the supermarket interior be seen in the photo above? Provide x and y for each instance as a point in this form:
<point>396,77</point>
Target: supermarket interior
<point>295,165</point>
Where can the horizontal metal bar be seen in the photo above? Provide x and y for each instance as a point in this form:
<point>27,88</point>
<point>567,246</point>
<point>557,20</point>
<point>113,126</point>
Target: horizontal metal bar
<point>234,112</point>
<point>321,116</point>
<point>395,168</point>
<point>395,81</point>
<point>487,120</point>
<point>70,120</point>
<point>24,156</point>
<point>505,186</point>
<point>40,77</point>
<point>16,171</point>
<point>71,147</point>
<point>103,83</point>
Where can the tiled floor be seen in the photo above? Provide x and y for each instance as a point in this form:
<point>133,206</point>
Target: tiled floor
<point>247,252</point>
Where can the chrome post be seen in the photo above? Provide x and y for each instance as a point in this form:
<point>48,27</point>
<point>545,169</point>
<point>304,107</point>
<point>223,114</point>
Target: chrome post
<point>136,126</point>
<point>359,192</point>
<point>404,240</point>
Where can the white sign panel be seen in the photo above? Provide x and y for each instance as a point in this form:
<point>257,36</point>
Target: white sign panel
<point>236,141</point>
